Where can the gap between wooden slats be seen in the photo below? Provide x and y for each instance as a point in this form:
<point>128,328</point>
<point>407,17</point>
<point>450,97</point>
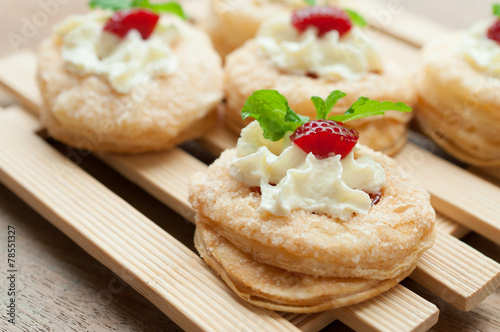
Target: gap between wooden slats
<point>163,272</point>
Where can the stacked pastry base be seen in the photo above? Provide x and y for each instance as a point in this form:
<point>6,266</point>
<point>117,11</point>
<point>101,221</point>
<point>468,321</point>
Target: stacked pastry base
<point>307,262</point>
<point>458,105</point>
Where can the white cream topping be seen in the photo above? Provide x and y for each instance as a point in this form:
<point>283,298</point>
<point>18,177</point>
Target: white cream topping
<point>126,62</point>
<point>479,51</point>
<point>333,57</point>
<point>291,179</point>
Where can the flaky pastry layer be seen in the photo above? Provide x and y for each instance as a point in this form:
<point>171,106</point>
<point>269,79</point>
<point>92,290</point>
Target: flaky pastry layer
<point>277,289</point>
<point>230,23</point>
<point>85,111</point>
<point>459,107</point>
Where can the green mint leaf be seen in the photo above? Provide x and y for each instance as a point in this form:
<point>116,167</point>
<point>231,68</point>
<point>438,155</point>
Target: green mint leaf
<point>323,108</point>
<point>271,110</point>
<point>165,7</point>
<point>496,9</point>
<point>332,99</point>
<point>310,2</point>
<point>364,107</point>
<point>170,7</point>
<point>356,18</point>
<point>320,105</point>
<point>110,4</point>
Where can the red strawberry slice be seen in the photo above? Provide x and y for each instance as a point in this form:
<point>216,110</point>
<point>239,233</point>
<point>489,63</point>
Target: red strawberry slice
<point>325,138</point>
<point>324,18</point>
<point>123,21</point>
<point>494,32</point>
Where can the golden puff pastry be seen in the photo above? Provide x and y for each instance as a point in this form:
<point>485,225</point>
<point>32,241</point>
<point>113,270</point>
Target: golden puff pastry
<point>458,105</point>
<point>86,112</point>
<point>247,70</point>
<point>307,262</point>
<point>230,23</point>
<point>274,288</point>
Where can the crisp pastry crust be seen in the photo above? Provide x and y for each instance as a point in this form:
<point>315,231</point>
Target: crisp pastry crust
<point>230,23</point>
<point>380,245</point>
<point>278,289</point>
<point>246,71</point>
<point>85,111</point>
<point>459,106</point>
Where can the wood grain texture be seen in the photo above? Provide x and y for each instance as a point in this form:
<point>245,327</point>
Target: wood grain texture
<point>359,315</point>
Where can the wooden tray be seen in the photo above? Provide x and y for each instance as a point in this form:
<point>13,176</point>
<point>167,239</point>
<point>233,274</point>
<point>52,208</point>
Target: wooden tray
<point>176,280</point>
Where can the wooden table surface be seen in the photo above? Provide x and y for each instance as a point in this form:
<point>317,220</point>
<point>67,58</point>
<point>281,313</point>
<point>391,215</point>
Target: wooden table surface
<point>62,288</point>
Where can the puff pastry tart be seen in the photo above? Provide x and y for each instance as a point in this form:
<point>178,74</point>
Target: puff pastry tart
<point>459,94</point>
<point>128,81</point>
<point>317,50</point>
<point>230,23</point>
<point>300,218</point>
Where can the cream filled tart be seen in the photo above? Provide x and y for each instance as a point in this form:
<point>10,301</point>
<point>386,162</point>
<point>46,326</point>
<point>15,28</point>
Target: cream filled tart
<point>299,57</point>
<point>231,23</point>
<point>459,93</point>
<point>300,218</point>
<point>128,81</point>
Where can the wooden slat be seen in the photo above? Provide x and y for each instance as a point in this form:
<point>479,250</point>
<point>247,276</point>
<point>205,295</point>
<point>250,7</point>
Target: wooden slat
<point>362,317</point>
<point>156,264</point>
<point>468,269</point>
<point>17,75</point>
<point>455,192</point>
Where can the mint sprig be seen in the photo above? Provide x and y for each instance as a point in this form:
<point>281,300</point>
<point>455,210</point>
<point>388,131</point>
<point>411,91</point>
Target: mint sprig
<point>496,9</point>
<point>271,110</point>
<point>310,2</point>
<point>165,7</point>
<point>364,107</point>
<point>323,107</point>
<point>276,118</point>
<point>356,18</point>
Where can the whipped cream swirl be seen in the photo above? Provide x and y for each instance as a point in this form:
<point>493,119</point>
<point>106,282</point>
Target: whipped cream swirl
<point>351,56</point>
<point>291,179</point>
<point>479,51</point>
<point>125,63</point>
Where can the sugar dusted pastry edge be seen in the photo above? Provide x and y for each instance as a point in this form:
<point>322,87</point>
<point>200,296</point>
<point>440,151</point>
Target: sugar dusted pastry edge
<point>85,112</point>
<point>399,228</point>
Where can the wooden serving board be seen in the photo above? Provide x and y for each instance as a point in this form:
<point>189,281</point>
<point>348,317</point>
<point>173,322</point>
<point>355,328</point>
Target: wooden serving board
<point>176,280</point>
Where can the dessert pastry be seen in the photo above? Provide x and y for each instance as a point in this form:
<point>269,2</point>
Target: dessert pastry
<point>128,81</point>
<point>317,50</point>
<point>301,218</point>
<point>459,94</point>
<point>230,23</point>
